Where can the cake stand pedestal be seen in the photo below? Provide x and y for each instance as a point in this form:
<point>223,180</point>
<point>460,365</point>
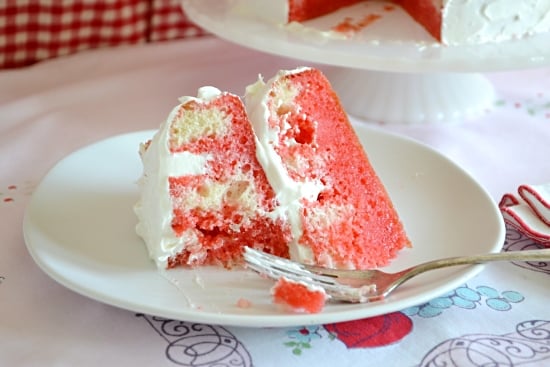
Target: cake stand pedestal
<point>384,73</point>
<point>412,98</point>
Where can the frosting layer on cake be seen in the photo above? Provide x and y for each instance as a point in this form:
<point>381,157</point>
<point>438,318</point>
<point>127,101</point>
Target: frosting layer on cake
<point>291,193</point>
<point>154,209</point>
<point>476,21</point>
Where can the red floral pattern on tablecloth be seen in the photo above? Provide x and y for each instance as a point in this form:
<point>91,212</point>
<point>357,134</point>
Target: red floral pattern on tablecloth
<point>372,332</point>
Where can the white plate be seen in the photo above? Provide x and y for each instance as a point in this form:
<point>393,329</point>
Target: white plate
<point>79,228</point>
<point>380,46</point>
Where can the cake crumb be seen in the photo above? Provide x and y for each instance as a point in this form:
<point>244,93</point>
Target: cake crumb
<point>244,303</point>
<point>199,281</point>
<point>298,297</point>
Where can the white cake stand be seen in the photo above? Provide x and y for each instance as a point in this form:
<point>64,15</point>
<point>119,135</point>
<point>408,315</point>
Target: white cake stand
<point>382,73</point>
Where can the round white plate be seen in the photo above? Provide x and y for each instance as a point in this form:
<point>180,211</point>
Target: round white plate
<point>79,228</point>
<point>380,46</point>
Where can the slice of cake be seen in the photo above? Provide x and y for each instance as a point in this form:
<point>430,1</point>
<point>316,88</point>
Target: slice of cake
<point>203,193</point>
<point>287,176</point>
<point>337,207</point>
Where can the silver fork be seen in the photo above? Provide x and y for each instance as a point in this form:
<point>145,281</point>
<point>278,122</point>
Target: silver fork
<point>368,285</point>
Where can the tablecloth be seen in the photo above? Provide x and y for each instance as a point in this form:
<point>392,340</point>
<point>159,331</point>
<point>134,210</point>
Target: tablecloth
<point>499,318</point>
<point>36,30</point>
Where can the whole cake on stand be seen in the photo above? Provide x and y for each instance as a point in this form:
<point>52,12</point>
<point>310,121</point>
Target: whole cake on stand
<point>385,68</point>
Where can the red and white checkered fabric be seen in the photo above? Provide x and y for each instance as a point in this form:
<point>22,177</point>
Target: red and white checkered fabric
<point>35,30</point>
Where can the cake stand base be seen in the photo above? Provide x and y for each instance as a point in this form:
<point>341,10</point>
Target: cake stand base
<point>412,98</point>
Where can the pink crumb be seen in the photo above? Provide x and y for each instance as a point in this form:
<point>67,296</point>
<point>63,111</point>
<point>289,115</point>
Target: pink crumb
<point>244,303</point>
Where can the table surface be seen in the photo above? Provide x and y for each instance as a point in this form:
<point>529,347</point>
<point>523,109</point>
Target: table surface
<point>53,108</point>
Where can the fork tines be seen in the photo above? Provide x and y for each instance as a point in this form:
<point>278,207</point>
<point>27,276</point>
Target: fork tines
<point>276,267</point>
<point>270,264</point>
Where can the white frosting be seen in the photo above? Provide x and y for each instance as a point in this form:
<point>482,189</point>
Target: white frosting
<point>289,192</point>
<point>464,21</point>
<point>154,209</point>
<point>476,21</point>
<point>204,94</point>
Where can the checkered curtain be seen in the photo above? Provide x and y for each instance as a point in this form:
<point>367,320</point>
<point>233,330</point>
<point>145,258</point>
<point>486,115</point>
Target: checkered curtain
<point>35,30</point>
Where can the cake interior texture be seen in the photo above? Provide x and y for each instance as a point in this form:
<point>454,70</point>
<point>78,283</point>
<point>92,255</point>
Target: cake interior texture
<point>227,206</point>
<point>426,12</point>
<point>351,222</point>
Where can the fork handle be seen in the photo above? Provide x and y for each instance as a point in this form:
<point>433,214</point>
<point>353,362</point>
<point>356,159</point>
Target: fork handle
<point>527,255</point>
<point>404,275</point>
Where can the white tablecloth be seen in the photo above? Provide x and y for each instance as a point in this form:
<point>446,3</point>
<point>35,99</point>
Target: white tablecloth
<point>53,108</point>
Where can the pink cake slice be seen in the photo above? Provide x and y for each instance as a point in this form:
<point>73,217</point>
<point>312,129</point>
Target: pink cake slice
<point>286,175</point>
<point>338,207</point>
<point>204,194</point>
